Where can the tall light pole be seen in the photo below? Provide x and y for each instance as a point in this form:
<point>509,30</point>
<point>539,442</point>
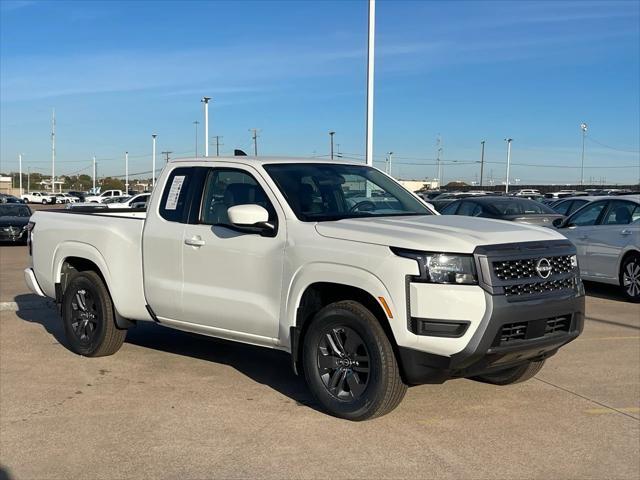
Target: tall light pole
<point>53,151</point>
<point>583,127</point>
<point>153,161</point>
<point>254,137</point>
<point>370,73</point>
<point>196,123</point>
<point>20,168</point>
<point>205,100</point>
<point>331,134</point>
<point>28,179</point>
<point>438,152</point>
<point>126,173</point>
<point>481,162</point>
<point>390,154</point>
<point>508,140</point>
<point>94,174</point>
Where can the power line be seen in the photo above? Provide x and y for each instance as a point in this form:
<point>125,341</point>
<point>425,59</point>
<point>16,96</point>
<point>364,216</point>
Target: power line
<point>591,139</point>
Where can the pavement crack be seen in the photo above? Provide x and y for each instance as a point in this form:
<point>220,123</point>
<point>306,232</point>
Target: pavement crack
<point>588,399</point>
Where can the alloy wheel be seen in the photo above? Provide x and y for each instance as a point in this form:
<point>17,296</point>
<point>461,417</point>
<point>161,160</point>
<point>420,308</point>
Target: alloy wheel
<point>631,278</point>
<point>343,363</point>
<point>84,315</point>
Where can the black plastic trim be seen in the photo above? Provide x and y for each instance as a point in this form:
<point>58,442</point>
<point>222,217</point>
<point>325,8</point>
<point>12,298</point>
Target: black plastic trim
<point>439,328</point>
<point>152,314</point>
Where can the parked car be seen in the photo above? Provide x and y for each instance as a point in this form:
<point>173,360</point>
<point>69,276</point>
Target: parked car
<point>38,197</point>
<point>527,192</point>
<point>606,233</point>
<point>429,195</point>
<point>103,196</point>
<point>13,222</point>
<point>128,202</point>
<point>515,209</point>
<point>270,252</point>
<point>80,195</point>
<point>65,198</point>
<point>5,198</point>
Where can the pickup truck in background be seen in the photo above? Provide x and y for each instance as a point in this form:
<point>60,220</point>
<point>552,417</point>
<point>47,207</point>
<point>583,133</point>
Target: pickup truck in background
<point>38,197</point>
<point>333,262</point>
<point>103,196</point>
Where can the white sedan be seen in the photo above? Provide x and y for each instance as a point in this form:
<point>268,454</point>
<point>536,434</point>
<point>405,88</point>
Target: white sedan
<point>606,233</point>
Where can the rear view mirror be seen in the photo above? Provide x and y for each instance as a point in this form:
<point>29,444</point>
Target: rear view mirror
<point>558,222</point>
<point>251,219</point>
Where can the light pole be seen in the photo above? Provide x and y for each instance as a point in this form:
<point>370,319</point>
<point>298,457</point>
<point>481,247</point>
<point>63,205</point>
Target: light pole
<point>94,174</point>
<point>508,140</point>
<point>205,100</point>
<point>583,127</point>
<point>126,173</point>
<point>53,151</point>
<point>331,134</point>
<point>389,162</point>
<point>254,137</point>
<point>153,161</point>
<point>196,123</point>
<point>481,162</point>
<point>28,179</point>
<point>370,72</point>
<point>20,168</point>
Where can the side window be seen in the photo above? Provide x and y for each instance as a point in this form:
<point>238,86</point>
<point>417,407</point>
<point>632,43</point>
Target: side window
<point>470,209</point>
<point>450,209</point>
<point>620,213</point>
<point>588,215</point>
<point>576,205</point>
<point>564,208</point>
<point>228,187</point>
<point>174,202</point>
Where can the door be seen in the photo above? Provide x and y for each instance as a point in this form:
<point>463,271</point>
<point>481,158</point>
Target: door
<point>162,244</point>
<point>233,280</point>
<point>580,227</point>
<point>609,237</point>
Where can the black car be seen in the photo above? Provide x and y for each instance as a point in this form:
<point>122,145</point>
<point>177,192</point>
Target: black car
<point>13,222</point>
<point>4,198</point>
<point>514,209</point>
<point>80,195</point>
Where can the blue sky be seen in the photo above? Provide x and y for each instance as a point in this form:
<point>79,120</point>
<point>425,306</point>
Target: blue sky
<point>116,72</point>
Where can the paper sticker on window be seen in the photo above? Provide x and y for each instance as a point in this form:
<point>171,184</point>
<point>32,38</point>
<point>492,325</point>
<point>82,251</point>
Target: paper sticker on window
<point>174,192</point>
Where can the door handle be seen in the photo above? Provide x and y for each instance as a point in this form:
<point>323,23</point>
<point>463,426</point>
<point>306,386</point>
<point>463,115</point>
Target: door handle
<point>583,237</point>
<point>626,232</point>
<point>194,241</point>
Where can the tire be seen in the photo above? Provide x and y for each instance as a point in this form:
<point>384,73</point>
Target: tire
<point>349,363</point>
<point>88,317</point>
<point>518,374</point>
<point>630,278</point>
<point>44,202</point>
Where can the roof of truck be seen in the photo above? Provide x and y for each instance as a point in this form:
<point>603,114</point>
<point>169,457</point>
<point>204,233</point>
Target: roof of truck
<point>266,160</point>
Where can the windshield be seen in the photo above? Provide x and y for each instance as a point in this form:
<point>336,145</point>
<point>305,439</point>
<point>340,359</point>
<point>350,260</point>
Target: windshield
<point>323,191</point>
<point>14,211</point>
<point>517,206</point>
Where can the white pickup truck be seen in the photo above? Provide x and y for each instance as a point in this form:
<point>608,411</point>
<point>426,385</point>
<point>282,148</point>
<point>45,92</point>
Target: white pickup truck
<point>38,197</point>
<point>333,262</point>
<point>103,196</point>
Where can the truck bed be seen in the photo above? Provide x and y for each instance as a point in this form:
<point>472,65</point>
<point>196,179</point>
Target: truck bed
<point>112,239</point>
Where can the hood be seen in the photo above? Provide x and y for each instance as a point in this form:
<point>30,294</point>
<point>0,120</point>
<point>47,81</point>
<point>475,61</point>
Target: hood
<point>441,233</point>
<point>13,221</point>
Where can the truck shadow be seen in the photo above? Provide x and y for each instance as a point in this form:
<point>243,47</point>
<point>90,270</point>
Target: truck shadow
<point>267,367</point>
<point>603,290</point>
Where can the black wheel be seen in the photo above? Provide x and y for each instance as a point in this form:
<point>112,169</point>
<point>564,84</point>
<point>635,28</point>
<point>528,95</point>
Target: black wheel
<point>630,277</point>
<point>349,363</point>
<point>44,202</point>
<point>518,374</point>
<point>88,317</point>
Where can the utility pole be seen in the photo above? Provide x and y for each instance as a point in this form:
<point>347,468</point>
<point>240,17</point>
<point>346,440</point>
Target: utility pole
<point>254,137</point>
<point>126,173</point>
<point>370,73</point>
<point>153,161</point>
<point>166,156</point>
<point>196,123</point>
<point>217,137</point>
<point>390,154</point>
<point>508,140</point>
<point>205,100</point>
<point>439,151</point>
<point>20,168</point>
<point>331,134</point>
<point>94,174</point>
<point>481,162</point>
<point>53,151</point>
<point>28,179</point>
<point>583,127</point>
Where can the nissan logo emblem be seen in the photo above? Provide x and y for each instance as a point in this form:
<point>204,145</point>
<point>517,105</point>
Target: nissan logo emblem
<point>543,268</point>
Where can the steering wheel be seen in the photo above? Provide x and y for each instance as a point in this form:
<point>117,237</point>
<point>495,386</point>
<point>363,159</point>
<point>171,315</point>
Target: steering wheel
<point>370,206</point>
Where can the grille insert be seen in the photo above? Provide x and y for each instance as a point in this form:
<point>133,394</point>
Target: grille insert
<point>538,288</point>
<point>512,332</point>
<point>557,324</point>
<point>526,267</point>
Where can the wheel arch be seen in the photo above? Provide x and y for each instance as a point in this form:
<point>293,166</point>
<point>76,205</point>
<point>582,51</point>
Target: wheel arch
<point>632,251</point>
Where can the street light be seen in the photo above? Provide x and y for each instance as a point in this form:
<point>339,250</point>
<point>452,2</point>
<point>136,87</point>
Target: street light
<point>153,162</point>
<point>508,140</point>
<point>331,134</point>
<point>583,127</point>
<point>196,123</point>
<point>205,100</point>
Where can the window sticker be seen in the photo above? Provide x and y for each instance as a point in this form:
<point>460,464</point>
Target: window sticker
<point>174,192</point>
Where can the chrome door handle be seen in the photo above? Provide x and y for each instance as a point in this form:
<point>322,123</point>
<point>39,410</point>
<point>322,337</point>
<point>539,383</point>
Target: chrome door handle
<point>194,241</point>
<point>626,232</point>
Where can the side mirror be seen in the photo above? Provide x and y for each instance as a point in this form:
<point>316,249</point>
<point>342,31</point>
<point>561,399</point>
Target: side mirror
<point>558,222</point>
<point>250,219</point>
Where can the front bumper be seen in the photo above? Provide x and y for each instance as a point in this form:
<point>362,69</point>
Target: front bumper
<point>489,351</point>
<point>32,283</point>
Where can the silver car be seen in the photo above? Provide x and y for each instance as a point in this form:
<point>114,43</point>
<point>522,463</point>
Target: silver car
<point>606,233</point>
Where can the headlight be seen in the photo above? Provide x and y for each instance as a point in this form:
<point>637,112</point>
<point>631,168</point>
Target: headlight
<point>442,267</point>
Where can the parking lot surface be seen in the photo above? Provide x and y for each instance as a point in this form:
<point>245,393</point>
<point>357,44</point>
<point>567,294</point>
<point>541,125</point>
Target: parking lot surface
<point>176,405</point>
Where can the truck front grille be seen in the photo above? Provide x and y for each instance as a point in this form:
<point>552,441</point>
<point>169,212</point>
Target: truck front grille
<point>526,267</point>
<point>538,288</point>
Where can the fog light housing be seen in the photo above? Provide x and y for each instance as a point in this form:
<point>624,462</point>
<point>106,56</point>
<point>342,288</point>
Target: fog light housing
<point>439,328</point>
